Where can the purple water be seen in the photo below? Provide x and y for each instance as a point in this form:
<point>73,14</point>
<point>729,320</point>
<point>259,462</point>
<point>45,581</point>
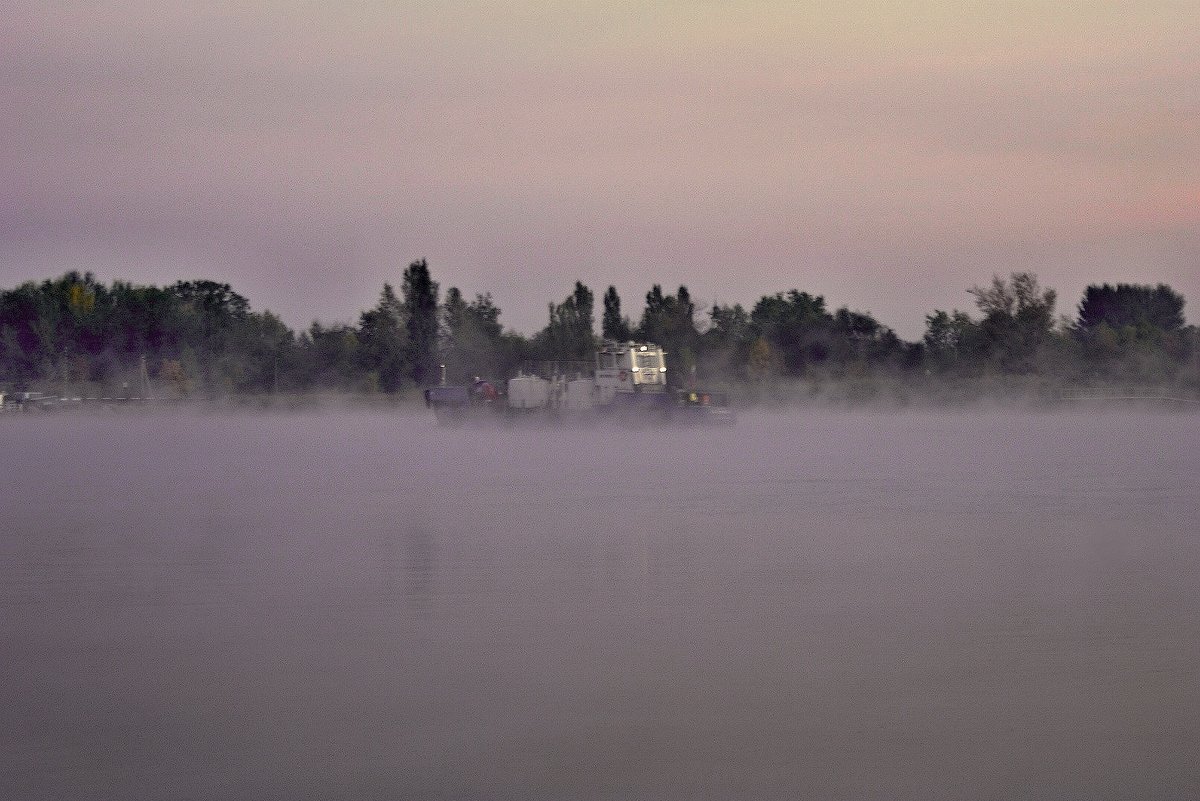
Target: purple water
<point>809,605</point>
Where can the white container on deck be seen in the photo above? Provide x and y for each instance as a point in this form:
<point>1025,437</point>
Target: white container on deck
<point>579,394</point>
<point>528,392</point>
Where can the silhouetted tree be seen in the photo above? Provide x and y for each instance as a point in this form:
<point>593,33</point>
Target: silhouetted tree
<point>613,326</point>
<point>203,336</point>
<point>383,342</point>
<point>652,328</point>
<point>729,326</point>
<point>329,357</point>
<point>1018,318</point>
<point>570,334</point>
<point>859,337</point>
<point>724,348</point>
<point>421,309</point>
<point>473,342</point>
<point>1143,307</point>
<point>948,339</point>
<point>796,326</point>
<point>669,321</point>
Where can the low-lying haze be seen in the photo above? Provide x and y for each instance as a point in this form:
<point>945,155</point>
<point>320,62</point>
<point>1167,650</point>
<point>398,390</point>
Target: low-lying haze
<point>830,605</point>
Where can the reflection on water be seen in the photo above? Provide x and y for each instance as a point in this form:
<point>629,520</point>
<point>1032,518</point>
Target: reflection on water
<point>814,605</point>
<point>420,563</point>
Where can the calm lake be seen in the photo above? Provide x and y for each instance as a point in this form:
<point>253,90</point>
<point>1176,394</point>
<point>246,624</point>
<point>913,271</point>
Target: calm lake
<point>360,605</point>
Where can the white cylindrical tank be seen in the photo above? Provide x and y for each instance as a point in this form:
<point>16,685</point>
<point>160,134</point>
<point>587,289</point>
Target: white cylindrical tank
<point>528,392</point>
<point>579,394</point>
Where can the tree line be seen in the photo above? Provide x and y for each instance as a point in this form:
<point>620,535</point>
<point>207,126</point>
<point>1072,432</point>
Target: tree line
<point>202,338</point>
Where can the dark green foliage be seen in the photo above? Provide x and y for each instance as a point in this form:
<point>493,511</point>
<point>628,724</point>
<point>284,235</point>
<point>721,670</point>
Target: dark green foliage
<point>383,341</point>
<point>210,320</point>
<point>329,358</point>
<point>1138,353</point>
<point>795,335</point>
<point>860,339</point>
<point>270,347</point>
<point>74,330</point>
<point>74,334</point>
<point>725,346</point>
<point>666,317</point>
<point>950,341</point>
<point>421,304</point>
<point>473,342</point>
<point>569,336</point>
<point>1143,307</point>
<point>729,326</point>
<point>1018,336</point>
<point>144,319</point>
<point>797,328</point>
<point>669,320</point>
<point>1018,319</point>
<point>613,326</point>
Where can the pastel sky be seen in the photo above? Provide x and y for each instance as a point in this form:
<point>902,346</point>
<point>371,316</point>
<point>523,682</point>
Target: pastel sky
<point>888,155</point>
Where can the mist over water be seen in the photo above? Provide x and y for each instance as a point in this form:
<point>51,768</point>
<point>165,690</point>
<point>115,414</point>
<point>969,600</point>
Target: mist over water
<point>826,605</point>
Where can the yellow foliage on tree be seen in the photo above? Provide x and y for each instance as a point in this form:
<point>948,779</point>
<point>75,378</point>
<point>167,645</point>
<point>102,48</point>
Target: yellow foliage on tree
<point>172,371</point>
<point>81,299</point>
<point>762,362</point>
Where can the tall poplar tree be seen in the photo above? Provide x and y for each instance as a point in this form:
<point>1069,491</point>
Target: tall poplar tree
<point>420,293</point>
<point>613,326</point>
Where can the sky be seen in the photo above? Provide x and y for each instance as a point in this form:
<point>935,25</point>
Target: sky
<point>886,155</point>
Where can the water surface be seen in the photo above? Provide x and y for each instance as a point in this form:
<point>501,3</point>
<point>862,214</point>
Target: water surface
<point>822,605</point>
